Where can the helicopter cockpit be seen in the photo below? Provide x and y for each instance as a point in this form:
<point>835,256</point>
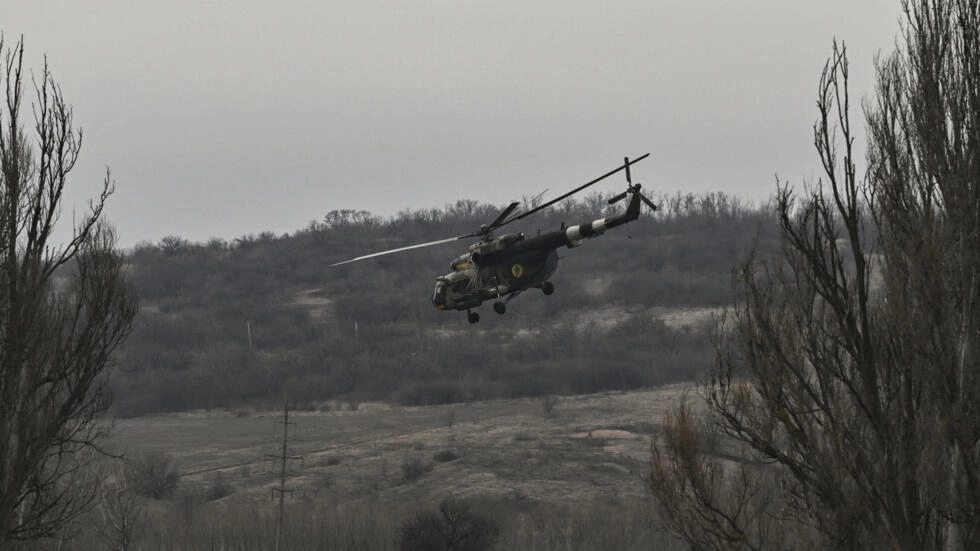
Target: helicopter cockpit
<point>452,290</point>
<point>439,295</point>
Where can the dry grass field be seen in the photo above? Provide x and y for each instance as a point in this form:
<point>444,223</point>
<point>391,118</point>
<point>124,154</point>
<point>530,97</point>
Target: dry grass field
<point>592,447</point>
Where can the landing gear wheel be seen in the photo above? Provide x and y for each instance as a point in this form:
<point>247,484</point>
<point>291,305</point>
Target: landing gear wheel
<point>547,287</point>
<point>499,307</point>
<point>472,317</point>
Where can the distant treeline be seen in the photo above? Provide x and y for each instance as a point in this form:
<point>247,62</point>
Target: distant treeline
<point>249,322</point>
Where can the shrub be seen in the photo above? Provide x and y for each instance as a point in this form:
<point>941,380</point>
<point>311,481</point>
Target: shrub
<point>454,527</point>
<point>414,468</point>
<point>548,404</point>
<point>153,475</point>
<point>430,393</point>
<point>219,488</point>
<point>445,456</point>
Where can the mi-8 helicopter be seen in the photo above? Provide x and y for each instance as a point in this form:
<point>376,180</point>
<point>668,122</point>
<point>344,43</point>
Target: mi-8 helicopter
<point>500,268</point>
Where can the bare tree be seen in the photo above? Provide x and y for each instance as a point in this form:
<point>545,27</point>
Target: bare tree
<point>925,181</point>
<point>153,475</point>
<point>121,513</point>
<point>712,498</point>
<point>64,307</point>
<point>849,364</point>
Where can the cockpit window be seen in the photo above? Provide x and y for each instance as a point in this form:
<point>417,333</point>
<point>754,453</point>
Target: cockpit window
<point>439,295</point>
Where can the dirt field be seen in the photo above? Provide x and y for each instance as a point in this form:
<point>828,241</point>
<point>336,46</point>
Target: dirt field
<point>591,447</point>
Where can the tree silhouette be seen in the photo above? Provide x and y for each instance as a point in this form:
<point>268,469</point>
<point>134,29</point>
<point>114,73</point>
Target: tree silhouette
<point>63,309</point>
<point>849,364</point>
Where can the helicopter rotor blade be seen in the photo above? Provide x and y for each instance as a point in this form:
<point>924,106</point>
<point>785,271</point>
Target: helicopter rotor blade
<point>618,198</point>
<point>400,249</point>
<point>574,191</point>
<point>502,218</point>
<point>503,215</point>
<point>648,202</point>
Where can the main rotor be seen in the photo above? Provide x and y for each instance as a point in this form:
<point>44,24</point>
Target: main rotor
<point>507,216</point>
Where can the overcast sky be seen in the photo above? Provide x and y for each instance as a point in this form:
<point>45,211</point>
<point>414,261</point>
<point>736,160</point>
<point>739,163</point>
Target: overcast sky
<point>220,119</point>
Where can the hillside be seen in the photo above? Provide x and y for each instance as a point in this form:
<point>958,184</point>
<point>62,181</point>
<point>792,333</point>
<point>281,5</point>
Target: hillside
<point>249,322</point>
<point>549,472</point>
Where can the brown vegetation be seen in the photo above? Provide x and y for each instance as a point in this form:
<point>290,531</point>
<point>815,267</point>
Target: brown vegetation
<point>455,526</point>
<point>242,324</point>
<point>152,475</point>
<point>560,489</point>
<point>64,307</point>
<point>860,399</point>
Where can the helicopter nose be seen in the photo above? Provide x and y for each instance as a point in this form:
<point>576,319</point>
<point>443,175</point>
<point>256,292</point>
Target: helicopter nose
<point>439,296</point>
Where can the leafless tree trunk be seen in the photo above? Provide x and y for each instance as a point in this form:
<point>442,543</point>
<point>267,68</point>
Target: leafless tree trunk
<point>122,512</point>
<point>849,363</point>
<point>63,309</point>
<point>925,170</point>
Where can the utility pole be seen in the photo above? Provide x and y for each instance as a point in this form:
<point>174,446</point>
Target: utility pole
<point>283,456</point>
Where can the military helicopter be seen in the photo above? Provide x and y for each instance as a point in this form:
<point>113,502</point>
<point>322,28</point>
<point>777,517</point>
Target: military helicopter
<point>500,268</point>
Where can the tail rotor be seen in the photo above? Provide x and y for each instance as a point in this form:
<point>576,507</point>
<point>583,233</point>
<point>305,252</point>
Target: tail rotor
<point>632,188</point>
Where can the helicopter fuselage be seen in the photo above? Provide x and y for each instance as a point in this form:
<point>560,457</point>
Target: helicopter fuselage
<point>494,274</point>
<point>512,263</point>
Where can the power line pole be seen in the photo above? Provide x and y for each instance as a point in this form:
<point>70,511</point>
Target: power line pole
<point>284,456</point>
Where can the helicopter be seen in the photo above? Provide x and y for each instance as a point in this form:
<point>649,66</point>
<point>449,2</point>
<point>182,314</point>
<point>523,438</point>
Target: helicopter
<point>500,268</point>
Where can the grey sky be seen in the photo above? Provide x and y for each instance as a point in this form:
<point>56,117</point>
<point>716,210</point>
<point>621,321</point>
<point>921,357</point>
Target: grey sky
<point>225,118</point>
